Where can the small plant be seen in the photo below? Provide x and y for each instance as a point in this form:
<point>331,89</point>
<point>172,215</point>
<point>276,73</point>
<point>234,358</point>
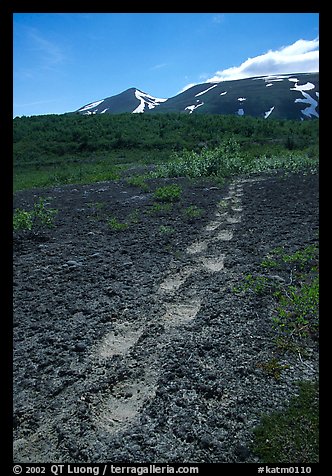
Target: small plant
<point>193,212</point>
<point>134,216</point>
<point>295,296</point>
<point>257,284</point>
<point>223,204</point>
<point>284,344</point>
<point>273,368</point>
<point>303,257</point>
<point>115,225</point>
<point>96,205</point>
<point>36,219</point>
<point>168,193</point>
<point>269,263</point>
<point>138,181</point>
<point>297,309</point>
<point>22,220</point>
<point>160,208</point>
<point>43,216</point>
<point>166,230</point>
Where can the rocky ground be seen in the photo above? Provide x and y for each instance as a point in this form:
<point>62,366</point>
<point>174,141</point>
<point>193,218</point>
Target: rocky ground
<point>131,345</point>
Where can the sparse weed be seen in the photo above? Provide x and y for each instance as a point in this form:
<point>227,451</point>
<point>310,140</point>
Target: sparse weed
<point>157,208</point>
<point>139,181</point>
<point>115,225</point>
<point>22,220</point>
<point>257,284</point>
<point>223,204</point>
<point>273,367</point>
<point>168,193</point>
<point>295,298</point>
<point>166,230</point>
<point>193,212</point>
<point>298,306</point>
<point>134,216</point>
<point>96,205</point>
<point>39,217</point>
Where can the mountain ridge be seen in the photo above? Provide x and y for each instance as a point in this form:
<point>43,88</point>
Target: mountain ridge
<point>280,96</point>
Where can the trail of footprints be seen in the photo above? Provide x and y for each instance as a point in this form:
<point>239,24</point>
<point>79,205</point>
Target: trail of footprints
<point>228,213</point>
<point>125,399</point>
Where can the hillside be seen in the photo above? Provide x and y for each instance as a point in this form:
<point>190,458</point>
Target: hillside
<point>78,148</point>
<point>132,100</point>
<point>288,96</point>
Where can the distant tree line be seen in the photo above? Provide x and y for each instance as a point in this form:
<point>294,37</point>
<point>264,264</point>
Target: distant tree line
<point>47,139</point>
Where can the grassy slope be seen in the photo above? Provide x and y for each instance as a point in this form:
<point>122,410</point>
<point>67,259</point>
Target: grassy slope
<point>80,149</point>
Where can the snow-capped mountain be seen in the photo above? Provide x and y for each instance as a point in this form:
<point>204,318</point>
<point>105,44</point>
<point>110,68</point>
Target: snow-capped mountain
<point>283,96</point>
<point>132,100</point>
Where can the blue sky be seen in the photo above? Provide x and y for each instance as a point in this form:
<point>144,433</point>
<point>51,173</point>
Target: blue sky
<point>65,60</point>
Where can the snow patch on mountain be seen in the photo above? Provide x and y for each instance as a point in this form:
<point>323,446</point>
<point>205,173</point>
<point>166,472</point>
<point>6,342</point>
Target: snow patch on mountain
<point>311,109</point>
<point>91,105</point>
<point>193,107</point>
<point>287,90</point>
<point>146,100</point>
<point>304,87</point>
<point>267,113</point>
<point>206,90</point>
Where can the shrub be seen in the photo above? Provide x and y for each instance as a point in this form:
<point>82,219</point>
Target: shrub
<point>35,219</point>
<point>22,220</point>
<point>228,159</point>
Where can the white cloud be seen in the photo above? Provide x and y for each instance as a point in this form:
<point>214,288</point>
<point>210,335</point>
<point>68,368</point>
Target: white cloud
<point>158,66</point>
<point>299,57</point>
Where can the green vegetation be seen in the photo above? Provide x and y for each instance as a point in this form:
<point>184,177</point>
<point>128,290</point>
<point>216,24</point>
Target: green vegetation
<point>28,176</point>
<point>166,230</point>
<point>291,436</point>
<point>296,299</point>
<point>115,225</point>
<point>229,159</point>
<point>297,309</point>
<point>168,193</point>
<point>70,148</point>
<point>291,282</point>
<point>273,367</point>
<point>160,208</point>
<point>193,212</point>
<point>139,181</point>
<point>36,219</point>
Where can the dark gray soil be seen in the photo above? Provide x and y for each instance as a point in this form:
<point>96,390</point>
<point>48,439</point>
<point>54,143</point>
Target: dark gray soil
<point>132,346</point>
